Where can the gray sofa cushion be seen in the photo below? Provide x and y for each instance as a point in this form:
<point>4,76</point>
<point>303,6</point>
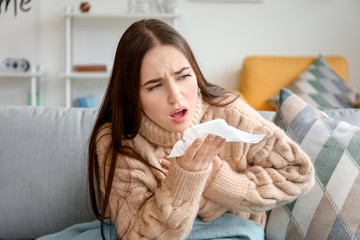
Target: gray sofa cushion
<point>43,169</point>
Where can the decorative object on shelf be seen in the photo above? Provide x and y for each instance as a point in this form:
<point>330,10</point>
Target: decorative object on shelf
<point>90,68</point>
<point>85,7</point>
<point>37,101</point>
<point>15,65</point>
<point>152,6</point>
<point>87,102</point>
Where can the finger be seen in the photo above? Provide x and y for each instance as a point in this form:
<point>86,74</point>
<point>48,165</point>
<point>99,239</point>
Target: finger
<point>210,148</point>
<point>167,150</point>
<point>191,151</point>
<point>186,161</point>
<point>202,154</point>
<point>214,144</point>
<point>215,148</point>
<point>165,163</point>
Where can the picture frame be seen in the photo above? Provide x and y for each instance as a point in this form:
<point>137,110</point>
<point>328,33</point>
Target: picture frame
<point>244,1</point>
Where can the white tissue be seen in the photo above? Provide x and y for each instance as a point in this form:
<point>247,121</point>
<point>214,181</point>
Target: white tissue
<point>217,127</point>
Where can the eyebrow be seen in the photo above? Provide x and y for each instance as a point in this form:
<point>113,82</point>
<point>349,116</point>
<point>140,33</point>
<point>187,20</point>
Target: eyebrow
<point>156,80</point>
<point>181,70</point>
<point>152,81</point>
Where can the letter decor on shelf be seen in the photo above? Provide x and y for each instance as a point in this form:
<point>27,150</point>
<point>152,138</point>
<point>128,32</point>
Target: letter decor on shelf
<point>15,65</point>
<point>15,6</point>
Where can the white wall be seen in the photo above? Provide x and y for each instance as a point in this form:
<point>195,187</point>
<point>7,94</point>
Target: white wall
<point>221,35</point>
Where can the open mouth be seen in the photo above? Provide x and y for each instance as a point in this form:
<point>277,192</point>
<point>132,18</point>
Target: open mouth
<point>179,115</point>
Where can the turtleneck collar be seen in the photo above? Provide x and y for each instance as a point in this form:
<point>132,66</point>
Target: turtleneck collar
<point>159,136</point>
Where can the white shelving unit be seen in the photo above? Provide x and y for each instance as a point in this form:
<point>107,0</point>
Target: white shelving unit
<point>70,15</point>
<point>34,76</point>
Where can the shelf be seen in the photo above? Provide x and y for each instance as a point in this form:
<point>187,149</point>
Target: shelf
<point>163,16</point>
<point>71,16</point>
<point>19,74</point>
<point>86,75</point>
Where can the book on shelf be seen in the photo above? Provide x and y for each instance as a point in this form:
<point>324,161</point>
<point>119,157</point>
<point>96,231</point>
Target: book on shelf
<point>90,68</point>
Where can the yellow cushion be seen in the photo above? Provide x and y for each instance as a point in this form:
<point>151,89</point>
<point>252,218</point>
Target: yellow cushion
<point>262,77</point>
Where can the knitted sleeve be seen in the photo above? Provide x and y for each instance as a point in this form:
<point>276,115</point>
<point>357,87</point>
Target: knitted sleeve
<point>259,176</point>
<point>141,207</point>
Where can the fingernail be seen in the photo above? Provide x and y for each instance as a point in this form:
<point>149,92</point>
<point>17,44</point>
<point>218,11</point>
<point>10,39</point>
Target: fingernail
<point>211,137</point>
<point>218,139</point>
<point>160,160</point>
<point>167,150</point>
<point>198,142</point>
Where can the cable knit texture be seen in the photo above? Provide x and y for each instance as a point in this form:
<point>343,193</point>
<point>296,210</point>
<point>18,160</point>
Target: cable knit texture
<point>146,204</point>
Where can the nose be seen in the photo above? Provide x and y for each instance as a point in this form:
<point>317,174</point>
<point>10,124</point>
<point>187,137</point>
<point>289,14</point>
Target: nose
<point>174,93</point>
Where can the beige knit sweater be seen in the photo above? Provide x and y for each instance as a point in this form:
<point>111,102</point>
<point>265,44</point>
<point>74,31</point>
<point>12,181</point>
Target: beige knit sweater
<point>146,204</point>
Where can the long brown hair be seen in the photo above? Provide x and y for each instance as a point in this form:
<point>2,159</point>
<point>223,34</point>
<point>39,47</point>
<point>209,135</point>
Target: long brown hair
<point>121,103</point>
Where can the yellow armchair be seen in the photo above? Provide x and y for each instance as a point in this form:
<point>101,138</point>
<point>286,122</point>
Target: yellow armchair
<point>262,77</point>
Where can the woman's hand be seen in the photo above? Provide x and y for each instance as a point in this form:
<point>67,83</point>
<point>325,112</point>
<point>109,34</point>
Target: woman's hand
<point>200,155</point>
<point>165,164</point>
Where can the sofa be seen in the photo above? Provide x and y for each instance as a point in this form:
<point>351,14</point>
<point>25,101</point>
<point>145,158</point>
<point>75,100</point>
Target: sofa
<point>43,173</point>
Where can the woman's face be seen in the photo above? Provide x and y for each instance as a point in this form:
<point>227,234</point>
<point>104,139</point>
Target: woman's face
<point>168,88</point>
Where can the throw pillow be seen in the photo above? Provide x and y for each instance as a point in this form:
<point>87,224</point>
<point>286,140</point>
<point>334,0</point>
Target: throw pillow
<point>357,100</point>
<point>331,209</point>
<point>321,87</point>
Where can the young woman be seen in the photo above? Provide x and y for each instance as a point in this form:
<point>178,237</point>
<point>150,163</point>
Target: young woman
<point>156,91</point>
